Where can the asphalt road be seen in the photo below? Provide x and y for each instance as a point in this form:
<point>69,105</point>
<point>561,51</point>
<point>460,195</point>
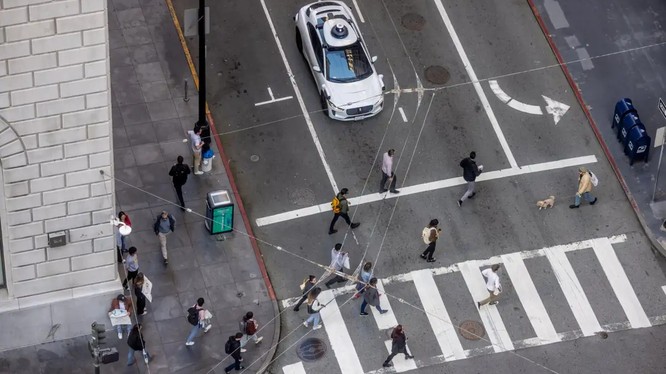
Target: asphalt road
<point>526,157</point>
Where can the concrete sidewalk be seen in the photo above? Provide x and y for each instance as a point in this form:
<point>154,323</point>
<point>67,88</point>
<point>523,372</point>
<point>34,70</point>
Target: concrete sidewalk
<point>150,121</point>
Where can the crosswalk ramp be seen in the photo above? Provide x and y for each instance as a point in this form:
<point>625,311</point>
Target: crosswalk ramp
<point>549,295</point>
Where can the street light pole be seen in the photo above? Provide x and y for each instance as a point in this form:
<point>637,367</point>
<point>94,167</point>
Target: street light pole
<point>202,122</point>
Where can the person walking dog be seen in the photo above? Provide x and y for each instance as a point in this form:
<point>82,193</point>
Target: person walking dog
<point>584,188</point>
<point>470,172</point>
<point>398,345</point>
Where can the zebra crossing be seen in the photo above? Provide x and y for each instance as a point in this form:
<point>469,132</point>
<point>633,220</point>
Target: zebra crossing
<point>442,326</point>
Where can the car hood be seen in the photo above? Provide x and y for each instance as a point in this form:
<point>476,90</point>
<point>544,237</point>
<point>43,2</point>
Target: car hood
<point>355,94</point>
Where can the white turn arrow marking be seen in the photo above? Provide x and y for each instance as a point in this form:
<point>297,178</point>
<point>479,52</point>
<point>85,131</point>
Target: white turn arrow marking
<point>557,109</point>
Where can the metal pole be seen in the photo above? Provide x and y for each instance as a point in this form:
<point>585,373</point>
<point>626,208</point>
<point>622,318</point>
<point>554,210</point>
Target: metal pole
<point>205,134</point>
<point>661,154</point>
<point>185,98</point>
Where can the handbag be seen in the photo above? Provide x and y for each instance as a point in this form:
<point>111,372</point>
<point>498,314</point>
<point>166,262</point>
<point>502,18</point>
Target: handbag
<point>346,262</point>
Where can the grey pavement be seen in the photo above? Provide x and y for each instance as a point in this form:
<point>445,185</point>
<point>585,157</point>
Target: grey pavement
<point>627,44</point>
<point>150,120</point>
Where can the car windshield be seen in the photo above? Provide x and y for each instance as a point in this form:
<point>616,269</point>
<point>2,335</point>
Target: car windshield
<point>348,64</point>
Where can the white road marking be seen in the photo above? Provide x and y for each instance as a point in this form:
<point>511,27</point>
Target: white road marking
<point>663,288</point>
<point>400,364</point>
<point>386,320</point>
<point>515,104</point>
<point>573,291</point>
<point>358,10</point>
<point>476,83</point>
<point>273,99</point>
<point>620,283</point>
<point>402,114</point>
<point>428,187</point>
<point>304,110</point>
<point>338,335</point>
<point>490,317</point>
<point>555,108</point>
<point>529,297</point>
<point>439,319</point>
<point>296,368</point>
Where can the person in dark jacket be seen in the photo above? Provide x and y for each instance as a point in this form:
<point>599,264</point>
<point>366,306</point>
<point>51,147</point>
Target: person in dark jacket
<point>136,342</point>
<point>371,297</point>
<point>164,225</point>
<point>235,352</point>
<point>179,173</point>
<point>341,211</point>
<point>470,172</point>
<point>312,280</point>
<point>399,345</point>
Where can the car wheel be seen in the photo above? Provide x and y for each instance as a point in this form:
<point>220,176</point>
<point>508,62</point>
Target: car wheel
<point>299,42</point>
<point>324,104</point>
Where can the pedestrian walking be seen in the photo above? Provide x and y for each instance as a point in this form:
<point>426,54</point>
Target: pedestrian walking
<point>132,267</point>
<point>143,288</point>
<point>233,348</point>
<point>121,240</point>
<point>339,260</point>
<point>584,188</point>
<point>179,173</point>
<point>430,234</point>
<point>314,306</point>
<point>197,316</point>
<point>470,172</point>
<point>306,286</point>
<point>371,297</point>
<point>121,310</point>
<point>363,278</point>
<point>398,345</point>
<point>340,206</point>
<point>136,342</point>
<point>164,225</point>
<point>249,327</point>
<point>492,284</point>
<point>387,173</point>
<point>197,144</point>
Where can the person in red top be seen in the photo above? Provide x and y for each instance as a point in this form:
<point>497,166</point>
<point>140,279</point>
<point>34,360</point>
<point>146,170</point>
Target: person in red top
<point>121,241</point>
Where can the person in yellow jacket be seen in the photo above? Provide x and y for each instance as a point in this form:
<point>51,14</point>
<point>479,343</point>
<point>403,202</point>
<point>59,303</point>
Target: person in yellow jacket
<point>584,188</point>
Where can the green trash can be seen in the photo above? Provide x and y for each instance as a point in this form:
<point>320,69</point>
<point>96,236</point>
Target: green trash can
<point>219,212</point>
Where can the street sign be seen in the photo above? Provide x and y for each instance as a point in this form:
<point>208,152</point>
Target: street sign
<point>662,107</point>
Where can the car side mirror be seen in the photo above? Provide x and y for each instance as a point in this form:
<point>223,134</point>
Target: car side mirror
<point>323,89</point>
<point>373,59</point>
<point>316,68</point>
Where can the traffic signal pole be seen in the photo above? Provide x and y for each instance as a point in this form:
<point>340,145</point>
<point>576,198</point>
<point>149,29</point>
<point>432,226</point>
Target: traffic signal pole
<point>202,122</point>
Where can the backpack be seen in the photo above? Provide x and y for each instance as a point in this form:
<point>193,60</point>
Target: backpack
<point>335,205</point>
<point>193,316</point>
<point>593,179</point>
<point>250,327</point>
<point>426,234</point>
<point>228,346</point>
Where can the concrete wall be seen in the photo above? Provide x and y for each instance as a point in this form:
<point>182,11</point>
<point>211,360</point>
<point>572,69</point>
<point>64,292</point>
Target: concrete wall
<point>55,138</point>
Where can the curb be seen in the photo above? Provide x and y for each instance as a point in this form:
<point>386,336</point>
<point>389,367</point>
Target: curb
<point>232,182</point>
<point>579,97</point>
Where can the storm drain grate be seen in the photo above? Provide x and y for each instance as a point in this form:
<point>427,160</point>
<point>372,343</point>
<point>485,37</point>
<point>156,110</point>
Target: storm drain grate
<point>437,74</point>
<point>311,349</point>
<point>413,21</point>
<point>472,330</point>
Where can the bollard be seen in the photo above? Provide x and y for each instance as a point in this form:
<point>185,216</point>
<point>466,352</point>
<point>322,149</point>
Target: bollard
<point>185,98</point>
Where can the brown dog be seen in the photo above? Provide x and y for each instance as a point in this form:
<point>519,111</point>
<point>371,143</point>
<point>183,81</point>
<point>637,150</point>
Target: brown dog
<point>546,203</point>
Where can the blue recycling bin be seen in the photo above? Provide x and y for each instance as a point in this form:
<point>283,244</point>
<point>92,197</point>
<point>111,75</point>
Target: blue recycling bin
<point>638,144</point>
<point>622,108</point>
<point>629,121</point>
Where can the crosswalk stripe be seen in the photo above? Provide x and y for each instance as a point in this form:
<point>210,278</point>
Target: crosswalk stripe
<point>529,297</point>
<point>338,335</point>
<point>296,368</point>
<point>490,317</point>
<point>386,320</point>
<point>400,364</point>
<point>620,283</point>
<point>439,319</point>
<point>573,291</point>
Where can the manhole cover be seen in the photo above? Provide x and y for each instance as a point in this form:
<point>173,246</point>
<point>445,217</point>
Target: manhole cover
<point>412,21</point>
<point>302,197</point>
<point>437,74</point>
<point>311,349</point>
<point>254,158</point>
<point>472,330</point>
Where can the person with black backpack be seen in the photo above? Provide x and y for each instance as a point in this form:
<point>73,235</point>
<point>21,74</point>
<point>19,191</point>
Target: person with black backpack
<point>136,342</point>
<point>233,347</point>
<point>470,172</point>
<point>179,173</point>
<point>196,316</point>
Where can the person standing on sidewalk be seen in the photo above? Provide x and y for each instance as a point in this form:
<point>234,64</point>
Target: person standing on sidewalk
<point>179,173</point>
<point>136,342</point>
<point>164,225</point>
<point>121,240</point>
<point>196,316</point>
<point>430,235</point>
<point>132,266</point>
<point>340,206</point>
<point>233,348</point>
<point>306,286</point>
<point>492,284</point>
<point>470,172</point>
<point>314,306</point>
<point>584,188</point>
<point>337,264</point>
<point>387,173</point>
<point>363,279</point>
<point>249,327</point>
<point>398,345</point>
<point>371,297</point>
<point>197,144</point>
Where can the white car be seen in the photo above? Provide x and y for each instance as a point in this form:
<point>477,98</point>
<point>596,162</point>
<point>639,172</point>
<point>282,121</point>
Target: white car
<point>327,36</point>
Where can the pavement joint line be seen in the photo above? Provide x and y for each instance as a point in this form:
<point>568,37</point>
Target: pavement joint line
<point>427,187</point>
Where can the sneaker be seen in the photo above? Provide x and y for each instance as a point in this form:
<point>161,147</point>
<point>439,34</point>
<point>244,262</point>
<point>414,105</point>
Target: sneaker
<point>241,368</point>
<point>593,202</point>
<point>305,323</point>
<point>471,196</point>
<point>494,302</point>
<point>331,232</point>
<point>383,191</point>
<point>408,357</point>
<point>387,365</point>
<point>296,309</point>
<point>243,350</point>
<point>208,327</point>
<point>395,191</point>
<point>145,311</point>
<point>316,327</point>
<point>120,335</point>
<point>478,305</point>
<point>573,206</point>
<point>423,257</point>
<point>357,296</point>
<point>431,260</point>
<point>166,262</point>
<point>459,203</point>
<point>383,311</point>
<point>198,172</point>
<point>189,343</point>
<point>259,339</point>
<point>364,313</point>
<point>355,225</point>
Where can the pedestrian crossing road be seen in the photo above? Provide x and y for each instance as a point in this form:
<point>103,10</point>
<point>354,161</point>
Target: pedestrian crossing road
<point>550,295</point>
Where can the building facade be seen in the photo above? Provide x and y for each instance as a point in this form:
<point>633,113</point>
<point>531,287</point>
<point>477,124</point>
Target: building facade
<point>56,157</point>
